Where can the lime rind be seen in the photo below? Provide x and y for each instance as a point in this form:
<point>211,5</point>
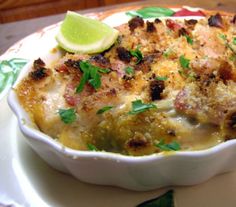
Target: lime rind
<point>96,47</point>
<point>80,34</point>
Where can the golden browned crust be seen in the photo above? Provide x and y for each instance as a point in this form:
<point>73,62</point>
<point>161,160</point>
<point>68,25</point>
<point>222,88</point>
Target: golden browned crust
<point>186,68</point>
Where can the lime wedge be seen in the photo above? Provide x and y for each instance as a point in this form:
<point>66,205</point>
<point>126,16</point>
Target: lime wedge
<point>80,34</point>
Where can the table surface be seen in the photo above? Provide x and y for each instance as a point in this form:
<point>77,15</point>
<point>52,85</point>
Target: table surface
<point>13,32</point>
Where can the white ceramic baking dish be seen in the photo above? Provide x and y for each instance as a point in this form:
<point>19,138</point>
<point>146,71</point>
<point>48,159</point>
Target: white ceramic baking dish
<point>135,173</point>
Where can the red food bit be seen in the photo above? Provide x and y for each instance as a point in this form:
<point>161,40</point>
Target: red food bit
<point>186,12</point>
<point>71,98</point>
<point>171,24</point>
<point>180,101</point>
<point>62,69</point>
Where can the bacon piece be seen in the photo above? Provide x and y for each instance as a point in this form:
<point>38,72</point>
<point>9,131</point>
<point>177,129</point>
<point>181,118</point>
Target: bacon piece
<point>38,63</point>
<point>234,19</point>
<point>62,69</point>
<point>225,71</point>
<point>39,71</point>
<point>156,89</point>
<point>70,96</point>
<point>118,66</point>
<point>185,12</point>
<point>123,54</point>
<point>39,74</point>
<point>171,24</point>
<point>215,21</point>
<point>137,142</point>
<point>144,67</point>
<point>135,22</point>
<point>180,103</point>
<point>72,63</point>
<point>157,21</point>
<point>150,58</point>
<point>183,32</point>
<point>150,27</point>
<point>100,61</point>
<point>190,23</point>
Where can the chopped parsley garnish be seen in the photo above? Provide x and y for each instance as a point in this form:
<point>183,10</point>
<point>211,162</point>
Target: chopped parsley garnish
<point>67,115</point>
<point>129,70</point>
<point>192,76</point>
<point>223,36</point>
<point>105,108</point>
<point>161,78</point>
<point>234,41</point>
<point>189,39</point>
<point>90,75</point>
<point>229,46</point>
<point>103,70</point>
<point>173,146</point>
<point>181,72</point>
<point>184,62</point>
<point>167,53</point>
<point>91,147</point>
<point>139,107</point>
<point>137,53</point>
<point>232,57</point>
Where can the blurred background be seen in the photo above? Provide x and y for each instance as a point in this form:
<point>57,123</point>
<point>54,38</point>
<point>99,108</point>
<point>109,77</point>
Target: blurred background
<point>14,10</point>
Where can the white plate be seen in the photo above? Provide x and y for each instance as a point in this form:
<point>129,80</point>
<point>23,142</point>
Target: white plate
<point>26,180</point>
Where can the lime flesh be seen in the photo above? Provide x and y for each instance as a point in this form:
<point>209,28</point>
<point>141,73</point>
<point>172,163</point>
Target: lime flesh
<point>80,34</point>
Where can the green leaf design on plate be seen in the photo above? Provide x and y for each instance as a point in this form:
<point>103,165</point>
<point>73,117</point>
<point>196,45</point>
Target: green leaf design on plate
<point>9,71</point>
<point>149,12</point>
<point>165,200</point>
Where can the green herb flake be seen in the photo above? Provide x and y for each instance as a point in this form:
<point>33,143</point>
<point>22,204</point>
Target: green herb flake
<point>192,76</point>
<point>161,78</point>
<point>129,70</point>
<point>184,62</point>
<point>95,78</point>
<point>137,53</point>
<point>189,39</point>
<point>229,46</point>
<point>173,146</point>
<point>90,75</point>
<point>104,70</point>
<point>83,81</point>
<point>139,107</point>
<point>234,40</point>
<point>232,58</point>
<point>181,72</point>
<point>149,12</point>
<point>167,53</point>
<point>104,109</point>
<point>91,147</point>
<point>67,115</point>
<point>223,36</point>
<point>165,200</point>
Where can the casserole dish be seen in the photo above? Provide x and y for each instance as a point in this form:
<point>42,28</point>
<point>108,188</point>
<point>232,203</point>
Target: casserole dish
<point>136,173</point>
